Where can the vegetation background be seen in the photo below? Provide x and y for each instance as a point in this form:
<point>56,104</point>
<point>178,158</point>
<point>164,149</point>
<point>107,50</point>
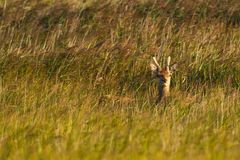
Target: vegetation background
<point>76,84</point>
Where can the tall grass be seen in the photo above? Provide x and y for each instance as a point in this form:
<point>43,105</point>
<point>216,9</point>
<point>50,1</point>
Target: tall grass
<point>76,84</point>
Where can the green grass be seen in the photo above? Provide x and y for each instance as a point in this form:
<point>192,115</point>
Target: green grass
<point>75,81</point>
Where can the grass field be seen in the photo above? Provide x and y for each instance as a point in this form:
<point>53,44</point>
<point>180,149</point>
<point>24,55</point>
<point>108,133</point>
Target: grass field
<point>75,81</point>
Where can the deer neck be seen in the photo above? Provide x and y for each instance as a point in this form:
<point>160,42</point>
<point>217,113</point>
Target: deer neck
<point>164,86</point>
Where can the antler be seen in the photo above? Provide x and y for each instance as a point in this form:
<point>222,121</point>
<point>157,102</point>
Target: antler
<point>168,62</point>
<point>155,67</point>
<point>156,63</point>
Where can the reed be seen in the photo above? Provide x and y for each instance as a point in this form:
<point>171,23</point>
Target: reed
<point>75,79</point>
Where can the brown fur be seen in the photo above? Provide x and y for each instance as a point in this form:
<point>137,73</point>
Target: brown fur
<point>164,78</point>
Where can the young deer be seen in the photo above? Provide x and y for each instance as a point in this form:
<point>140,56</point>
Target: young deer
<point>164,77</point>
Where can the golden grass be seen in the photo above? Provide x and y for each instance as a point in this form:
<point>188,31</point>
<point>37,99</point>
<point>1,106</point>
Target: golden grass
<point>76,83</point>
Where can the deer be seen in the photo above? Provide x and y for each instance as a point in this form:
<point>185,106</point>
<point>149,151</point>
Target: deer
<point>164,78</point>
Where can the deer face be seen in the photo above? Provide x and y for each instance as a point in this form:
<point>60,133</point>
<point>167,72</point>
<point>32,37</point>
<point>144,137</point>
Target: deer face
<point>164,77</point>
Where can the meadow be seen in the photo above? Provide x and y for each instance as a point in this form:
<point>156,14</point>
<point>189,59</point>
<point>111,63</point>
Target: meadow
<point>75,80</point>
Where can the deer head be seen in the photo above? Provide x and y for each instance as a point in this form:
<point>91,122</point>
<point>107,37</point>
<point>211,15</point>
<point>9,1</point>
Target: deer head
<point>164,77</point>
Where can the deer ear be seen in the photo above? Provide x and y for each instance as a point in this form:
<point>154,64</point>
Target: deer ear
<point>153,67</point>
